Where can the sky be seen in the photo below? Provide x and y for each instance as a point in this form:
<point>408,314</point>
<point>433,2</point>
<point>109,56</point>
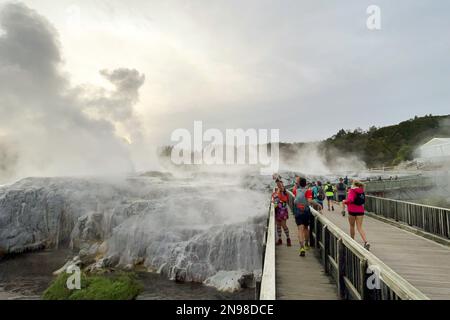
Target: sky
<point>128,73</point>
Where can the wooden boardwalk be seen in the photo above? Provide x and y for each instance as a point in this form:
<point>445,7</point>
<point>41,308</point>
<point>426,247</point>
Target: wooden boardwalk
<point>422,262</point>
<point>300,278</point>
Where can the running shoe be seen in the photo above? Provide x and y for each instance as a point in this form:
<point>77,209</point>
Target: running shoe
<point>343,213</point>
<point>302,252</point>
<point>367,246</point>
<point>332,208</point>
<point>280,242</point>
<point>288,242</point>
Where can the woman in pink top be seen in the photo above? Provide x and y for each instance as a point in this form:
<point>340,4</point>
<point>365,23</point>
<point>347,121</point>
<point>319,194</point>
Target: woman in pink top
<point>355,204</point>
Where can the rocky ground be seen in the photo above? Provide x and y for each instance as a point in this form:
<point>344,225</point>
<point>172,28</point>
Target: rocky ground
<point>187,230</point>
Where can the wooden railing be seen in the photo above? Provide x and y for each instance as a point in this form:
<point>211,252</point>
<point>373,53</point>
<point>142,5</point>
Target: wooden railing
<point>359,274</point>
<point>267,288</point>
<point>430,219</point>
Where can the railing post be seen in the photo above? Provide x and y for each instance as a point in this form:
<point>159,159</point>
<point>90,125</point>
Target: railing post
<point>363,276</point>
<point>325,251</point>
<point>257,289</point>
<point>316,243</point>
<point>341,269</point>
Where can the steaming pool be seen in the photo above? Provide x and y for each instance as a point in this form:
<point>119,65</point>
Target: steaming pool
<point>25,277</point>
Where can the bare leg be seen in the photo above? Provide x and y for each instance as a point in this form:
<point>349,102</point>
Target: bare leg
<point>359,222</point>
<point>285,228</point>
<point>306,233</point>
<point>301,235</point>
<point>279,231</point>
<point>351,221</point>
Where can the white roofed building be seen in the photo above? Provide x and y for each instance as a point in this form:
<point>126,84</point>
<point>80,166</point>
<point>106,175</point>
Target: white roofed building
<point>435,150</point>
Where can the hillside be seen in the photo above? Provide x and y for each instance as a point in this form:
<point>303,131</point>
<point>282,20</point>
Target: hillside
<point>387,145</point>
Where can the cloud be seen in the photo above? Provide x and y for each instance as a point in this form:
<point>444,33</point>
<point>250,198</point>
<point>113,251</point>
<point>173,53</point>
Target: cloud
<point>46,119</point>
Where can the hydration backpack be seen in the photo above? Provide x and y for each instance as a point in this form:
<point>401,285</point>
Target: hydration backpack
<point>360,199</point>
<point>300,201</point>
<point>320,194</point>
<point>329,188</point>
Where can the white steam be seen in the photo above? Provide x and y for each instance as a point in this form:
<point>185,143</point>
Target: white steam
<point>48,126</point>
<point>309,159</point>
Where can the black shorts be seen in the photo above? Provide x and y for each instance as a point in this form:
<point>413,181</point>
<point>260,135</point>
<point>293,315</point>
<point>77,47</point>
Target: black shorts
<point>356,214</point>
<point>303,218</point>
<point>330,197</point>
<point>341,197</point>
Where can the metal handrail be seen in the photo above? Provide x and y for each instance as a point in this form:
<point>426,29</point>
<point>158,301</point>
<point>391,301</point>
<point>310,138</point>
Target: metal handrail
<point>401,183</point>
<point>431,219</point>
<point>353,268</point>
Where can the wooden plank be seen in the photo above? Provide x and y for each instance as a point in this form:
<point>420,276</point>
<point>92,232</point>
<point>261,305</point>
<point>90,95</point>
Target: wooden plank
<point>419,261</point>
<point>301,278</point>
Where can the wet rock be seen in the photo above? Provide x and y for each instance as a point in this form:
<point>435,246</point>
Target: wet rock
<point>88,253</point>
<point>88,229</point>
<point>247,280</point>
<point>230,281</point>
<point>98,267</point>
<point>76,261</point>
<point>103,248</point>
<point>31,217</point>
<point>129,267</point>
<point>180,275</point>
<point>185,231</point>
<point>111,261</point>
<point>104,264</point>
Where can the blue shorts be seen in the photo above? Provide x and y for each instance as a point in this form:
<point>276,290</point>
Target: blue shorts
<point>302,217</point>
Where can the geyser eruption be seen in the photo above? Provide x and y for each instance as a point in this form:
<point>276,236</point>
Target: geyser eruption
<point>48,126</point>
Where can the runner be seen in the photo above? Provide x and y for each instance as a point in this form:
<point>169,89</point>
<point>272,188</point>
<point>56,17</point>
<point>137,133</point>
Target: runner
<point>341,192</point>
<point>280,200</point>
<point>275,193</point>
<point>329,192</point>
<point>302,201</point>
<point>274,183</point>
<point>296,185</point>
<point>319,195</point>
<point>355,203</point>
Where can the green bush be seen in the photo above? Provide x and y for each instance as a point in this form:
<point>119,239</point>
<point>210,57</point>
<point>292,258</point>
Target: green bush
<point>122,286</point>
